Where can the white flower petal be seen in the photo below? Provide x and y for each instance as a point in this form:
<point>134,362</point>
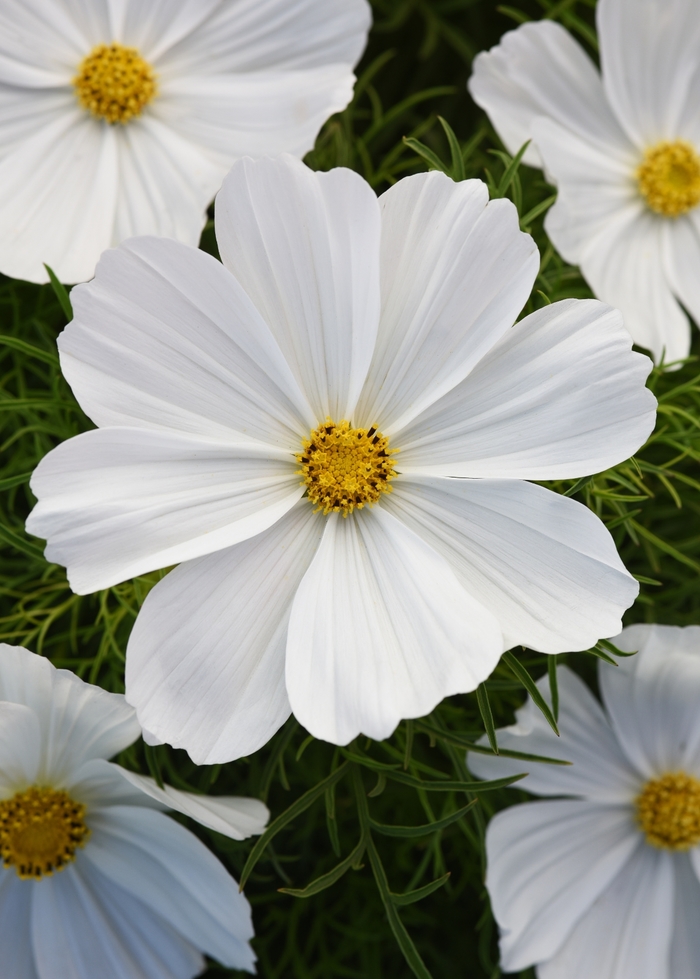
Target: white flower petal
<point>81,920</point>
<point>456,271</point>
<point>681,246</point>
<point>540,70</point>
<point>15,935</point>
<point>649,56</point>
<point>78,721</point>
<point>544,565</point>
<point>234,816</point>
<point>561,394</point>
<point>685,943</point>
<point>159,25</point>
<point>599,770</point>
<point>254,35</point>
<point>205,660</point>
<point>166,867</point>
<point>99,784</point>
<point>625,267</point>
<point>652,698</point>
<point>166,181</point>
<point>253,114</point>
<point>68,161</point>
<point>118,502</point>
<point>24,110</point>
<point>381,630</point>
<point>20,745</point>
<point>594,186</point>
<point>305,247</point>
<point>627,932</point>
<point>547,864</point>
<point>41,44</point>
<point>164,337</point>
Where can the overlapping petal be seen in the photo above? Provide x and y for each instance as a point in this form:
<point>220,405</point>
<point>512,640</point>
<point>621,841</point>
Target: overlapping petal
<point>77,721</point>
<point>205,660</point>
<point>651,698</point>
<point>123,501</point>
<point>542,564</point>
<point>560,395</point>
<point>627,931</point>
<point>541,885</point>
<point>381,629</point>
<point>650,63</point>
<point>80,918</point>
<point>456,270</point>
<point>598,768</point>
<point>165,338</point>
<point>15,933</point>
<point>305,247</point>
<point>160,863</point>
<point>540,70</point>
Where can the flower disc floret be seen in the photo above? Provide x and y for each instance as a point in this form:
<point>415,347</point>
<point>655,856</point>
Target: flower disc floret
<point>40,831</point>
<point>668,811</point>
<point>345,468</point>
<point>669,178</point>
<point>115,83</point>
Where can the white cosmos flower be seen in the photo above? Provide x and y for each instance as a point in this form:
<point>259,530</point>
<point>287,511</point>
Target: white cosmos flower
<point>343,340</point>
<point>623,148</point>
<point>606,884</point>
<point>122,117</point>
<point>95,879</point>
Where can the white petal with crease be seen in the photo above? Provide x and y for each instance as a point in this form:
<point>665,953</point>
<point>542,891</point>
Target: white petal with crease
<point>599,770</point>
<point>541,885</point>
<point>118,502</point>
<point>164,337</point>
<point>205,660</point>
<point>545,566</point>
<point>381,630</point>
<point>456,271</point>
<point>560,395</point>
<point>627,932</point>
<point>305,247</point>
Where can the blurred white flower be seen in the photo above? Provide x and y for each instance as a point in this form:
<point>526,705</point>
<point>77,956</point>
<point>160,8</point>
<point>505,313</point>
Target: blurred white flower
<point>122,117</point>
<point>96,880</point>
<point>349,351</point>
<point>606,884</point>
<point>623,148</point>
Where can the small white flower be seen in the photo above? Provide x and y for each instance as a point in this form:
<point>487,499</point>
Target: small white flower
<point>349,351</point>
<point>95,880</point>
<point>122,117</point>
<point>623,148</point>
<point>606,885</point>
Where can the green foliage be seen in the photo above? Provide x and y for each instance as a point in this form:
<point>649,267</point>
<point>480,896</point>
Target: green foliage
<point>373,864</point>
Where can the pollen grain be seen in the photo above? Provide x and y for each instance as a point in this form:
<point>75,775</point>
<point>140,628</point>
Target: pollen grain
<point>115,83</point>
<point>345,468</point>
<point>669,178</point>
<point>40,831</point>
<point>668,811</point>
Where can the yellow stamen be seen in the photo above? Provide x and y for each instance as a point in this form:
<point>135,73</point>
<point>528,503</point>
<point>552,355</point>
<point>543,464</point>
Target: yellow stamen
<point>115,83</point>
<point>40,830</point>
<point>669,178</point>
<point>345,468</point>
<point>668,811</point>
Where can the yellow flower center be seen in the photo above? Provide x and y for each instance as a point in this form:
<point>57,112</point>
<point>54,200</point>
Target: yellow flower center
<point>40,830</point>
<point>668,811</point>
<point>115,83</point>
<point>669,178</point>
<point>345,468</point>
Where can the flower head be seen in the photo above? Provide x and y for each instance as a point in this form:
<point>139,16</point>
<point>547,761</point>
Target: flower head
<point>123,119</point>
<point>623,148</point>
<point>606,883</point>
<point>331,431</point>
<point>93,871</point>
